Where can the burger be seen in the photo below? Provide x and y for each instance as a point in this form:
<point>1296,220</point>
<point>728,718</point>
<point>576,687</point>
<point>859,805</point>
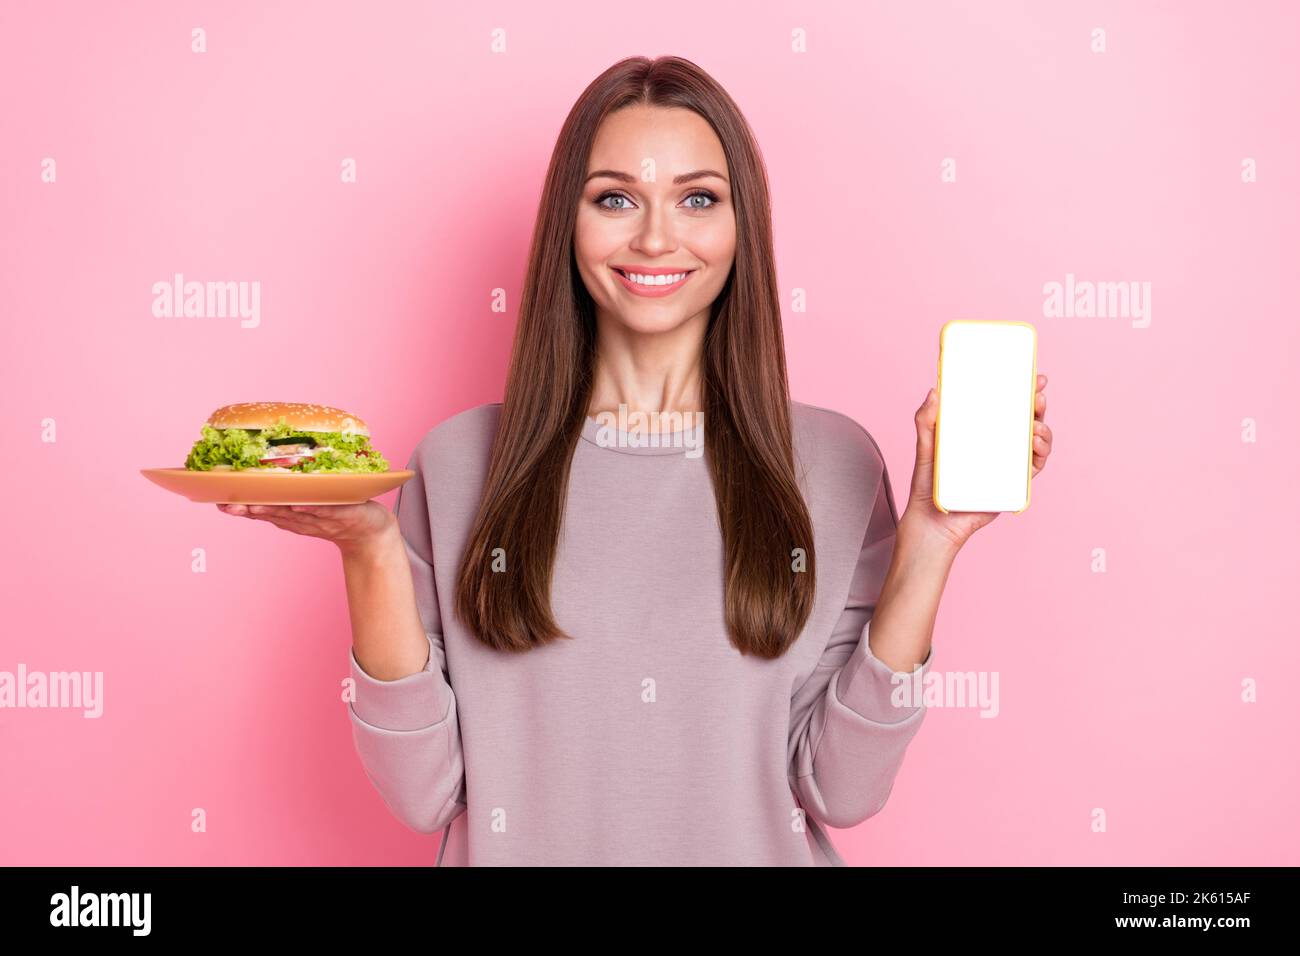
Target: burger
<point>284,436</point>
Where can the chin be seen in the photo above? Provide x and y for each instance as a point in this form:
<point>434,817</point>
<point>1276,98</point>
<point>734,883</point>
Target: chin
<point>651,322</point>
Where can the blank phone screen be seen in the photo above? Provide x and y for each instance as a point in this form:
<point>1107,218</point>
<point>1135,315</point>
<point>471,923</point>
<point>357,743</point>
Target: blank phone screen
<point>984,434</point>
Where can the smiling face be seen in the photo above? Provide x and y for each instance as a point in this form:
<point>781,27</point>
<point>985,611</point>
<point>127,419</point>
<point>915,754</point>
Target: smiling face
<point>655,254</point>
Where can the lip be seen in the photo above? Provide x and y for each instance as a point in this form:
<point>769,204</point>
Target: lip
<point>651,292</point>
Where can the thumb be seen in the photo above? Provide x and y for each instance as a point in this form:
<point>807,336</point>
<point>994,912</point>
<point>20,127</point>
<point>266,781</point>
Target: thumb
<point>926,415</point>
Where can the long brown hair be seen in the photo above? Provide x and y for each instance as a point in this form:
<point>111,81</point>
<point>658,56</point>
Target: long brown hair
<point>748,439</point>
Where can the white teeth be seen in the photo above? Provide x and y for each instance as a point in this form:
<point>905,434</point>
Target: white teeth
<point>656,280</point>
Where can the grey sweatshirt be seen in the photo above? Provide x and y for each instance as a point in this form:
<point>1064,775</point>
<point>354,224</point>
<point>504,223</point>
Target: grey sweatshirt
<point>648,739</point>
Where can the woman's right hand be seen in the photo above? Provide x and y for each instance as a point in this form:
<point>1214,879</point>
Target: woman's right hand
<point>352,527</point>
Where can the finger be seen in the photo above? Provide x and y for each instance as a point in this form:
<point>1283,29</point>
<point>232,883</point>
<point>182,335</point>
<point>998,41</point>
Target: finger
<point>286,513</point>
<point>275,513</point>
<point>284,516</point>
<point>1041,447</point>
<point>271,516</point>
<point>929,409</point>
<point>1042,383</point>
<point>922,472</point>
<point>324,517</point>
<point>1041,429</point>
<point>1040,405</point>
<point>280,510</point>
<point>289,524</point>
<point>324,514</point>
<point>925,419</point>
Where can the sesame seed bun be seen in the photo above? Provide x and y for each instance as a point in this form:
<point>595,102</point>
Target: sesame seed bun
<point>298,415</point>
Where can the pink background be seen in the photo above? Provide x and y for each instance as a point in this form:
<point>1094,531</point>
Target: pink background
<point>1118,690</point>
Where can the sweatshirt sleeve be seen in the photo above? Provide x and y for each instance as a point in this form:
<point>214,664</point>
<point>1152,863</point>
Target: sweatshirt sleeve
<point>847,736</point>
<point>406,730</point>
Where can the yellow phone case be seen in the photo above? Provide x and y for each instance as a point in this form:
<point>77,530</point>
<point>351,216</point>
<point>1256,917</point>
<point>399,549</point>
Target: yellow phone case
<point>1033,391</point>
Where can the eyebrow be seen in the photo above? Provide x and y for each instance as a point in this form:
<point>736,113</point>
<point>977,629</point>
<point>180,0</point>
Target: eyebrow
<point>677,180</point>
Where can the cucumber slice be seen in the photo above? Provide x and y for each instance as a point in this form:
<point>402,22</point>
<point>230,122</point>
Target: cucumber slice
<point>296,440</point>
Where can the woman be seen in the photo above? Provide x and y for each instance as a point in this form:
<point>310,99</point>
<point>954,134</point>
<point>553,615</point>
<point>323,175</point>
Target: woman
<point>580,643</point>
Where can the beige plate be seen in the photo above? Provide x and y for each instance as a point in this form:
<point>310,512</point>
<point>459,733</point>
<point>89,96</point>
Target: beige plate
<point>276,487</point>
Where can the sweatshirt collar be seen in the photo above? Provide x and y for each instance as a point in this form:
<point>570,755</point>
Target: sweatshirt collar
<point>607,435</point>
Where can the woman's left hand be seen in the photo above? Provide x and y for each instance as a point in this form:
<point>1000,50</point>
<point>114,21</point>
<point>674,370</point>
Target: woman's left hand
<point>954,528</point>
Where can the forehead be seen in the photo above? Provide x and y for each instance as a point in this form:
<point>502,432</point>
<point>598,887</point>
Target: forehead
<point>678,140</point>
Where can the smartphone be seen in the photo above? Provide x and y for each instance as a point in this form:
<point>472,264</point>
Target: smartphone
<point>984,434</point>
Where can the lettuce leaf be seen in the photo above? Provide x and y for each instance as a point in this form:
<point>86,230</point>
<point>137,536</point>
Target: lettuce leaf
<point>240,448</point>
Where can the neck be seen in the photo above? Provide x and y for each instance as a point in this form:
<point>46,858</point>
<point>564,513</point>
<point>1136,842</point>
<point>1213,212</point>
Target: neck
<point>648,371</point>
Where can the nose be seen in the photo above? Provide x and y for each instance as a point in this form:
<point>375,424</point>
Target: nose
<point>656,235</point>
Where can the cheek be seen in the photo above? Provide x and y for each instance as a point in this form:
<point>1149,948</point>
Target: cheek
<point>595,238</point>
<point>715,241</point>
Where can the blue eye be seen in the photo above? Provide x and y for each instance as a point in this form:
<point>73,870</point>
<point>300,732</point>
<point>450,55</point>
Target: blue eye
<point>601,199</point>
<point>698,194</point>
<point>703,194</point>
